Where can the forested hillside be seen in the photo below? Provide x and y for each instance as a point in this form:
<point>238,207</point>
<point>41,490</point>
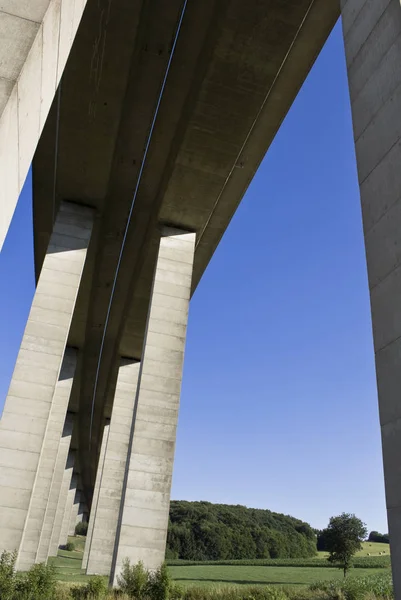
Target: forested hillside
<point>205,531</point>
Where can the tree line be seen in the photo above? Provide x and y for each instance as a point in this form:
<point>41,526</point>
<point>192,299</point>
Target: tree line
<point>206,531</point>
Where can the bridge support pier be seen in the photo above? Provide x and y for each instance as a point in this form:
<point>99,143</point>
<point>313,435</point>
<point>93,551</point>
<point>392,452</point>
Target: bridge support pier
<point>372,37</point>
<point>143,516</point>
<point>92,514</point>
<point>36,406</point>
<point>74,512</point>
<point>61,504</point>
<point>54,494</point>
<point>111,471</point>
<point>37,508</point>
<point>68,511</point>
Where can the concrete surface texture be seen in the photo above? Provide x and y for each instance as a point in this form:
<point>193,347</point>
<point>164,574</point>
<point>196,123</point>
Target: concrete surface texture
<point>74,512</point>
<point>61,504</point>
<point>54,494</point>
<point>222,104</point>
<point>68,510</point>
<point>143,519</point>
<point>31,407</point>
<point>236,69</point>
<point>35,40</point>
<point>372,37</point>
<point>92,515</point>
<point>107,509</point>
<point>47,463</point>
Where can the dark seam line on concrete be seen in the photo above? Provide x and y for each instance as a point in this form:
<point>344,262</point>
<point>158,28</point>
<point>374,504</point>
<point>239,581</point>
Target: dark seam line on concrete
<point>361,182</point>
<point>387,345</point>
<point>385,277</point>
<point>390,207</point>
<point>381,107</point>
<point>391,421</point>
<point>367,39</point>
<point>156,112</point>
<point>373,72</point>
<point>38,23</point>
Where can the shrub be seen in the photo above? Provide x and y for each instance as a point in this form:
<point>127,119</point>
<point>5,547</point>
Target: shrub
<point>357,588</point>
<point>133,579</point>
<point>177,592</point>
<point>94,589</point>
<point>7,575</point>
<point>159,583</point>
<point>81,528</point>
<point>38,583</point>
<point>70,547</point>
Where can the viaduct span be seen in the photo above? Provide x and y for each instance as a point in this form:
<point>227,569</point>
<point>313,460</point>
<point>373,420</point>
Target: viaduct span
<point>145,121</point>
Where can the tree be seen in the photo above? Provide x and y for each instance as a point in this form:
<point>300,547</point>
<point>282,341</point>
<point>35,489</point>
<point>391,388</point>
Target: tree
<point>343,538</point>
<point>375,536</point>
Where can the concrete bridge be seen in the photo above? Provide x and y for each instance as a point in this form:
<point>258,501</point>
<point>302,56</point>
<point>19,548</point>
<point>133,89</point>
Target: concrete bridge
<point>145,121</point>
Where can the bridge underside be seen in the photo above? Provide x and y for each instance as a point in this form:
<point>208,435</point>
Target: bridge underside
<point>163,114</point>
<point>236,69</point>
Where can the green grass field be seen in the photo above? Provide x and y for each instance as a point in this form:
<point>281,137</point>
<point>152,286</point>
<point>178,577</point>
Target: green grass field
<point>256,575</point>
<point>68,568</point>
<point>372,548</point>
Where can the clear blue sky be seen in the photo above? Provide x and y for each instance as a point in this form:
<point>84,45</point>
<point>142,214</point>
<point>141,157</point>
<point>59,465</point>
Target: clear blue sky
<point>279,402</point>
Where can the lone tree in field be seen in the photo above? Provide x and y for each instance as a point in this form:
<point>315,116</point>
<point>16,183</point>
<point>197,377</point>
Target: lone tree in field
<point>343,538</point>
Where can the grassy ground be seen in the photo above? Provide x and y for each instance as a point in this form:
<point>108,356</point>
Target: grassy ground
<point>68,564</point>
<point>256,575</point>
<point>368,548</point>
<point>68,568</point>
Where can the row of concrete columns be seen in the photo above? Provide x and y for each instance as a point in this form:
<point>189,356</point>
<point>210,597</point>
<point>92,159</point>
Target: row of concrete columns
<point>40,495</point>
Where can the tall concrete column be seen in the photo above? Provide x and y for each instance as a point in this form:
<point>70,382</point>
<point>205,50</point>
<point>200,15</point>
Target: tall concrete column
<point>37,39</point>
<point>143,519</point>
<point>29,402</point>
<point>372,37</point>
<point>74,513</point>
<point>47,463</point>
<point>92,515</point>
<point>108,504</point>
<point>69,505</point>
<point>61,505</point>
<point>54,494</point>
<point>82,516</point>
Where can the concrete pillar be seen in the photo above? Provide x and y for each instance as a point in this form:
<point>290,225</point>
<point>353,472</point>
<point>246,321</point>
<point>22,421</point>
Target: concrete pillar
<point>372,37</point>
<point>36,38</point>
<point>28,406</point>
<point>55,488</point>
<point>92,515</point>
<point>47,463</point>
<point>82,515</point>
<point>143,519</point>
<point>74,513</point>
<point>61,505</point>
<point>69,505</point>
<point>107,509</point>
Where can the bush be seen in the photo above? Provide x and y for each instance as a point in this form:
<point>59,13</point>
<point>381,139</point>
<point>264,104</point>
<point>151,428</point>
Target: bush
<point>159,583</point>
<point>70,547</point>
<point>81,528</point>
<point>133,580</point>
<point>38,583</point>
<point>357,588</point>
<point>7,575</point>
<point>232,592</point>
<point>94,589</point>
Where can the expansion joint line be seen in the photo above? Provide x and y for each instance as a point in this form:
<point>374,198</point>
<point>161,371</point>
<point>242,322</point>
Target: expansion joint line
<point>127,226</point>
